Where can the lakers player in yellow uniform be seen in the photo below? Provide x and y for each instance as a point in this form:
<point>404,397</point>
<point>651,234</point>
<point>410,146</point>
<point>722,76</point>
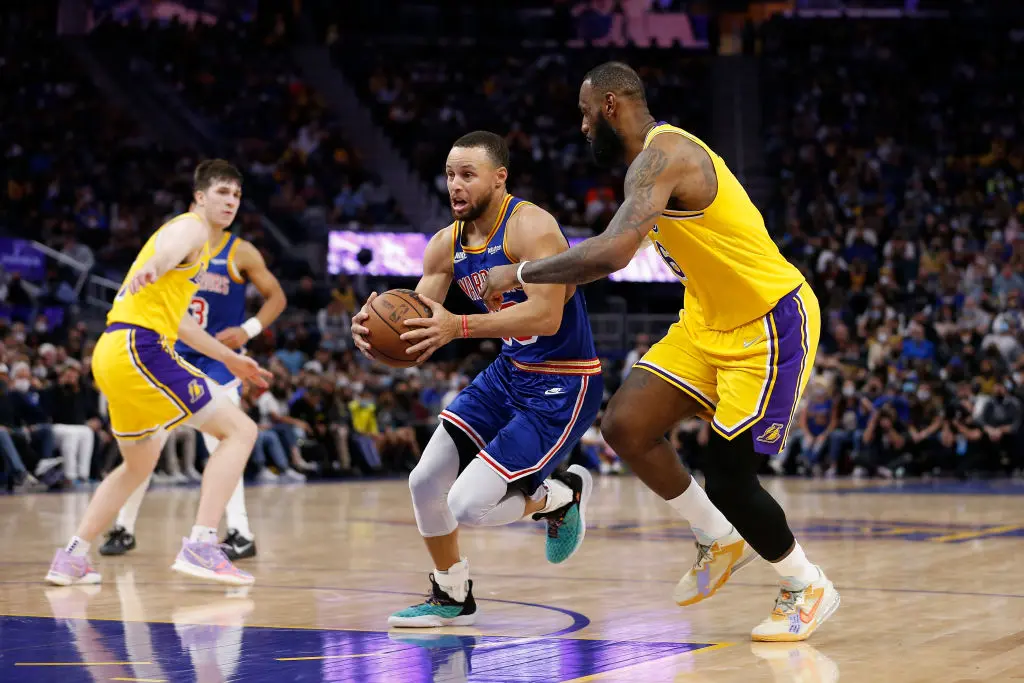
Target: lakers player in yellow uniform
<point>150,390</point>
<point>739,356</point>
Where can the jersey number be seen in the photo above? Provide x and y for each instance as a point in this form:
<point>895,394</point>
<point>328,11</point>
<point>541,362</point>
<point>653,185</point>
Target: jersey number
<point>670,262</point>
<point>200,310</point>
<point>522,340</point>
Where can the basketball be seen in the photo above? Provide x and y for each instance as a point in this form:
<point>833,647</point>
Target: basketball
<point>388,313</point>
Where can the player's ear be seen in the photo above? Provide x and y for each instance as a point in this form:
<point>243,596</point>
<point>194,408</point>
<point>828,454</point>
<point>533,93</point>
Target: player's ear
<point>501,176</point>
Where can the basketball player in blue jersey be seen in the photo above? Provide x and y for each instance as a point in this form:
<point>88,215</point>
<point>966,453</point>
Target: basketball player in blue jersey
<point>219,308</point>
<point>739,357</point>
<point>492,460</point>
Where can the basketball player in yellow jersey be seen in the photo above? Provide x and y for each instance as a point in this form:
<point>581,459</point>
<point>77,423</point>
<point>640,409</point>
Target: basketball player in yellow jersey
<point>150,390</point>
<point>739,356</point>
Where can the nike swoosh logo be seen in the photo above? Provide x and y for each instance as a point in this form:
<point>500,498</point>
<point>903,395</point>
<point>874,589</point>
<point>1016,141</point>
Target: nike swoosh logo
<point>806,616</point>
<point>748,344</point>
<point>552,392</point>
<point>242,548</point>
<point>206,564</point>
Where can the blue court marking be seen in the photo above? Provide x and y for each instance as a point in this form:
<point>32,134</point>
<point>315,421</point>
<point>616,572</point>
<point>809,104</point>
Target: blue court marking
<point>38,650</point>
<point>984,487</point>
<point>675,530</point>
<point>579,621</point>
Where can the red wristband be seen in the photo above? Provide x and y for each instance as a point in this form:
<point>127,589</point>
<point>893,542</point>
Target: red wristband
<point>465,327</point>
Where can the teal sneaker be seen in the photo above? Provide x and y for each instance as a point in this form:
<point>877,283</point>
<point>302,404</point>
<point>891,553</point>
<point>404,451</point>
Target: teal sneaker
<point>568,524</point>
<point>439,609</point>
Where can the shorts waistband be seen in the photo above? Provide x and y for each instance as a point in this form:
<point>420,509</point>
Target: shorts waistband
<point>114,327</point>
<point>561,367</point>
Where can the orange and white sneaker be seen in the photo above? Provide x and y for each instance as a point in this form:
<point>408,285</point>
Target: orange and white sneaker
<point>715,564</point>
<point>798,614</point>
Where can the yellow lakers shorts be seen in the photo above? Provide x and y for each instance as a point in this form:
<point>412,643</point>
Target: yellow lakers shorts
<point>750,377</point>
<point>147,385</point>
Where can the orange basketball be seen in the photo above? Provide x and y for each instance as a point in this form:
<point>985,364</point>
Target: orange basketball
<point>388,313</point>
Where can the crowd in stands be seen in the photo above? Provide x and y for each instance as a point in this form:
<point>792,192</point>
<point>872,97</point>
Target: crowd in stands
<point>900,149</point>
<point>426,98</point>
<point>329,412</point>
<point>899,152</point>
<point>240,78</point>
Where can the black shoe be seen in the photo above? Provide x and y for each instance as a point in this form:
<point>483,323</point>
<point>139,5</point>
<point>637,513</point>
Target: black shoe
<point>118,542</point>
<point>238,547</point>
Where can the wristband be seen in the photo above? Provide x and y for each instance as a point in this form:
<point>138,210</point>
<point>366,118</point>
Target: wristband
<point>519,273</point>
<point>252,326</point>
<point>465,327</point>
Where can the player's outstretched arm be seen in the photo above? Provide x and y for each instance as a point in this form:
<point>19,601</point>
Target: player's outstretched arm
<point>434,284</point>
<point>176,242</point>
<point>250,264</point>
<point>650,182</point>
<point>240,366</point>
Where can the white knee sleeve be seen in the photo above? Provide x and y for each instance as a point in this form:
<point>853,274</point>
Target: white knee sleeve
<point>481,497</point>
<point>429,483</point>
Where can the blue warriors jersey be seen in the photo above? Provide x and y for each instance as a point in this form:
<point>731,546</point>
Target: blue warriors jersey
<point>218,304</point>
<point>568,351</point>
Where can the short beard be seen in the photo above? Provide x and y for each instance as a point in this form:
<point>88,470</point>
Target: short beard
<point>606,146</point>
<point>475,210</point>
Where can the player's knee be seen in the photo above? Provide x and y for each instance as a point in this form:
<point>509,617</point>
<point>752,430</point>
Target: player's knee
<point>467,510</point>
<point>423,485</point>
<point>619,429</point>
<point>245,430</point>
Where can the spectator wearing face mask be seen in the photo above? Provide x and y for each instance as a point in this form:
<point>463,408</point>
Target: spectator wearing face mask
<point>923,429</point>
<point>18,476</point>
<point>853,412</point>
<point>1001,421</point>
<point>34,423</point>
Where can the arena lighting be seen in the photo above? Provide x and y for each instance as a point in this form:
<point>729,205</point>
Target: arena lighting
<point>401,254</point>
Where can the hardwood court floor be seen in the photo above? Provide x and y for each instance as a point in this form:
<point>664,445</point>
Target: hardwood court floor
<point>929,577</point>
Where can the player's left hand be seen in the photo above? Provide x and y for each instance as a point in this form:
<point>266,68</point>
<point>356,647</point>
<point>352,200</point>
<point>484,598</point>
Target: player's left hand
<point>500,279</point>
<point>432,333</point>
<point>233,337</point>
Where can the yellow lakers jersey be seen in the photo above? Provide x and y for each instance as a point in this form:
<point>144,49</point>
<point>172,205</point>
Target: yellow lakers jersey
<point>731,268</point>
<point>161,305</point>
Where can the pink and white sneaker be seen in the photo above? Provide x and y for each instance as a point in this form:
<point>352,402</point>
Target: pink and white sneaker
<point>207,561</point>
<point>67,570</point>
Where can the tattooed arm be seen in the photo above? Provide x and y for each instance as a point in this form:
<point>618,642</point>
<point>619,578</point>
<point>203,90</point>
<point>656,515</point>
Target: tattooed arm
<point>671,165</point>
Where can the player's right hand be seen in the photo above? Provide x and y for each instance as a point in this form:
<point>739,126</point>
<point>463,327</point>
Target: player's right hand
<point>248,370</point>
<point>360,334</point>
<point>146,275</point>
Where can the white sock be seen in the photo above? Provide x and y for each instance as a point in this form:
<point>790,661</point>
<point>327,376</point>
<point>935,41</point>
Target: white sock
<point>559,495</point>
<point>796,570</point>
<point>77,547</point>
<point>235,514</point>
<point>203,534</point>
<point>707,522</point>
<point>129,513</point>
<point>454,580</point>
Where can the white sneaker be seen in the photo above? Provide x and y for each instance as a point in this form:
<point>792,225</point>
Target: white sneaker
<point>266,476</point>
<point>798,614</point>
<point>294,476</point>
<point>715,564</point>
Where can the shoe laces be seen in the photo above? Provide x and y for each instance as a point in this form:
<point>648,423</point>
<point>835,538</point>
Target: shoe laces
<point>437,595</point>
<point>786,602</point>
<point>704,555</point>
